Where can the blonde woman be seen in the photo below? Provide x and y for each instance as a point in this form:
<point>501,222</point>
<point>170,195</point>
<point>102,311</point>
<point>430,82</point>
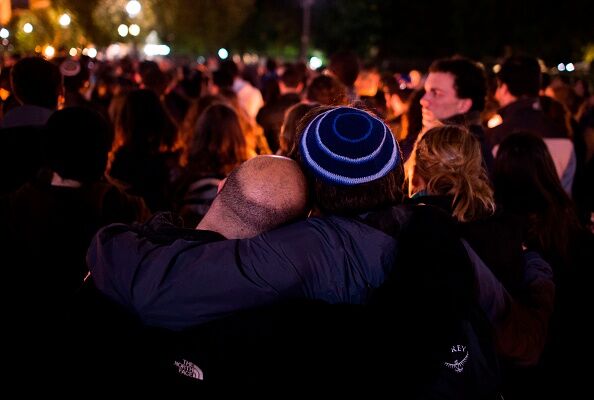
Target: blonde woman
<point>447,162</point>
<point>446,170</point>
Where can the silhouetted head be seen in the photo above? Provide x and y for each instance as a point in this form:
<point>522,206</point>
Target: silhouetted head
<point>36,81</point>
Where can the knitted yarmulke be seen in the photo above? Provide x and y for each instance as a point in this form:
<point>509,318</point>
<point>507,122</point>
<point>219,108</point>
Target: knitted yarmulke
<point>347,146</point>
<point>70,67</point>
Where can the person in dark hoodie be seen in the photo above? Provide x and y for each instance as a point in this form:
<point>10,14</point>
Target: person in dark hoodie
<point>518,85</point>
<point>37,85</point>
<point>448,173</point>
<point>45,229</point>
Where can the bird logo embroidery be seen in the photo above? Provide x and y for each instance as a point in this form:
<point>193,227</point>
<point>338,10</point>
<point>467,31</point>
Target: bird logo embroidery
<point>457,366</point>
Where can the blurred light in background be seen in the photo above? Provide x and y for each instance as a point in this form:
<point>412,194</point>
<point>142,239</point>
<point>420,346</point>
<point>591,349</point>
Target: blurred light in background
<point>27,28</point>
<point>495,120</point>
<point>133,8</point>
<point>561,67</point>
<point>73,52</point>
<point>315,63</point>
<point>4,34</point>
<point>123,30</point>
<point>64,20</point>
<point>223,53</point>
<point>134,30</point>
<point>156,50</point>
<point>570,67</point>
<point>49,51</point>
<point>249,58</point>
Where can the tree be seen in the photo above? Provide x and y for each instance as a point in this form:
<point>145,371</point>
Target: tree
<point>200,26</point>
<point>112,14</point>
<point>272,28</point>
<point>46,30</point>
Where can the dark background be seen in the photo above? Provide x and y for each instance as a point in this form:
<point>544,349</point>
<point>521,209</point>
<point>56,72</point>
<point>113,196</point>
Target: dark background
<point>381,29</point>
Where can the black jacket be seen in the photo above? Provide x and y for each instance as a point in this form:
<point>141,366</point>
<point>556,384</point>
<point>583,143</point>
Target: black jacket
<point>522,115</point>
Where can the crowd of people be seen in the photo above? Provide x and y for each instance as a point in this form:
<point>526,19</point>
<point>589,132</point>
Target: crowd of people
<point>241,229</point>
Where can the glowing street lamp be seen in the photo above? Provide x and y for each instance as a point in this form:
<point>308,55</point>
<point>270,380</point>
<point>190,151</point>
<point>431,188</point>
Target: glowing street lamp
<point>123,30</point>
<point>133,8</point>
<point>27,28</point>
<point>49,51</point>
<point>64,20</point>
<point>4,33</point>
<point>134,30</point>
<point>315,63</point>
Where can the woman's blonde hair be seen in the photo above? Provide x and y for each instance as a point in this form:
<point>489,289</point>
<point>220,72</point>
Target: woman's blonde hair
<point>449,160</point>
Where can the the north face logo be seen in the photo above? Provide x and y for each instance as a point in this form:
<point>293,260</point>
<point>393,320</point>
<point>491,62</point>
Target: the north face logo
<point>461,357</point>
<point>189,369</point>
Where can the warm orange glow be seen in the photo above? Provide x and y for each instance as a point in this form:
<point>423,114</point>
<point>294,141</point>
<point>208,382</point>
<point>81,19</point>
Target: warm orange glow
<point>4,94</point>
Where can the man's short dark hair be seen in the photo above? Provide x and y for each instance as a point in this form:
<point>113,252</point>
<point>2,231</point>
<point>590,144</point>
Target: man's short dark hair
<point>345,65</point>
<point>469,79</point>
<point>222,78</point>
<point>522,76</point>
<point>78,141</point>
<point>37,82</point>
<point>327,90</point>
<point>230,67</point>
<point>353,200</point>
<point>292,76</point>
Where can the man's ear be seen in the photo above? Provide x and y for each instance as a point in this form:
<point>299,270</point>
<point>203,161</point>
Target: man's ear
<point>220,185</point>
<point>464,105</point>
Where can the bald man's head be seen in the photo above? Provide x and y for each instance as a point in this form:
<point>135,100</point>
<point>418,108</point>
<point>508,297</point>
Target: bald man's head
<point>259,195</point>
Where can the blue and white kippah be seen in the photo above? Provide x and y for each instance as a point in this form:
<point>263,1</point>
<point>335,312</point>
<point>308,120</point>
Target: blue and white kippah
<point>346,146</point>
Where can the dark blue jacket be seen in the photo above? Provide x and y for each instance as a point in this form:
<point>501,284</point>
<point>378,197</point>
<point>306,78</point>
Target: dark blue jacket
<point>333,259</point>
<point>416,336</point>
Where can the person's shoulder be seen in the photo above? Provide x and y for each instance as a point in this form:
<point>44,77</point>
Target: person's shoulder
<point>384,222</point>
<point>389,220</point>
<point>319,232</point>
<point>115,204</point>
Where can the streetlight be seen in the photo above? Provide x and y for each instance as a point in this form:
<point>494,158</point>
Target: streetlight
<point>134,30</point>
<point>27,28</point>
<point>49,51</point>
<point>64,20</point>
<point>4,33</point>
<point>223,53</point>
<point>133,8</point>
<point>123,30</point>
<point>315,63</point>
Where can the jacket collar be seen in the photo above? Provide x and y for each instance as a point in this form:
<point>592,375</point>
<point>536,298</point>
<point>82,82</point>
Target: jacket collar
<point>466,119</point>
<point>521,105</point>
